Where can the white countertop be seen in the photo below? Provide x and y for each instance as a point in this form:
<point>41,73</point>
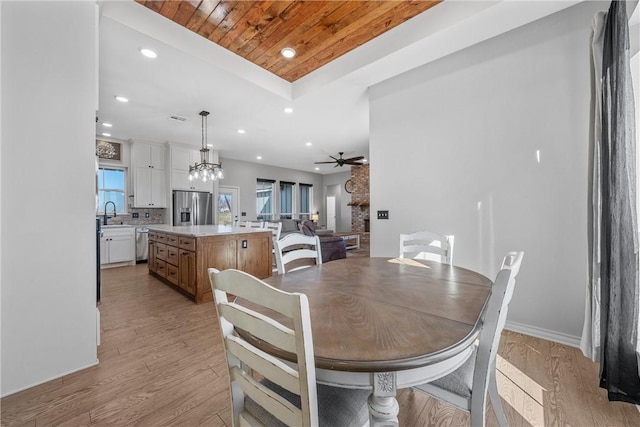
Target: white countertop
<point>203,230</point>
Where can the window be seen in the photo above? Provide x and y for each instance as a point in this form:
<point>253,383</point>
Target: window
<point>306,194</point>
<point>264,199</point>
<point>111,188</point>
<point>286,199</point>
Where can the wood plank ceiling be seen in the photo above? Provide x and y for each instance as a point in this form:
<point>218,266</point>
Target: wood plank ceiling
<point>319,31</point>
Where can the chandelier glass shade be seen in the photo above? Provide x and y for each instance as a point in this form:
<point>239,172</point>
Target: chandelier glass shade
<point>205,170</point>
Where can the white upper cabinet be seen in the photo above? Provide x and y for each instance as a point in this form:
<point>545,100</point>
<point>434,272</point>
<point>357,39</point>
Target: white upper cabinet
<point>150,177</point>
<point>148,155</point>
<point>181,159</point>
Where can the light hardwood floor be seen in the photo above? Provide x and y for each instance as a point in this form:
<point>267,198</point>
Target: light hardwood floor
<point>162,364</point>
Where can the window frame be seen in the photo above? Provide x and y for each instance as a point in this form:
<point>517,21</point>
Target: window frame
<point>269,216</point>
<point>282,214</point>
<point>301,186</point>
<point>100,207</point>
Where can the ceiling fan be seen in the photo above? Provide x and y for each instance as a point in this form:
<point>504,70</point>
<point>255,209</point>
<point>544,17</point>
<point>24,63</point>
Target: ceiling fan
<point>341,162</point>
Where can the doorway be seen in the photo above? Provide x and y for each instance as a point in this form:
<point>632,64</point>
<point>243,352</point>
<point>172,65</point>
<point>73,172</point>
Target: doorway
<point>331,213</point>
<point>228,201</point>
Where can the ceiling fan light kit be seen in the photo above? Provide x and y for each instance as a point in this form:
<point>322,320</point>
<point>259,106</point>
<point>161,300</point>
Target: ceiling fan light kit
<point>205,170</point>
<point>352,161</point>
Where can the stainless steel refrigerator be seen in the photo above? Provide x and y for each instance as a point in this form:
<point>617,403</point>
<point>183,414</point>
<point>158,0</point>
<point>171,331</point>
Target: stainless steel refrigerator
<point>192,208</point>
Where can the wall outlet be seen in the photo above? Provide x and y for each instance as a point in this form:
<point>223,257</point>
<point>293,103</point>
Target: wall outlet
<point>383,214</point>
<point>244,244</point>
<point>146,214</point>
<point>243,214</point>
<point>135,215</point>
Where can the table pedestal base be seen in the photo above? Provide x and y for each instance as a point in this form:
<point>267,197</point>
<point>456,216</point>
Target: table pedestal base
<point>383,405</point>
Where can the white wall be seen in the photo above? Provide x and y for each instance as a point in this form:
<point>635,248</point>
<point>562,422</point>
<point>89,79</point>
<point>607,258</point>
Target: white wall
<point>453,149</point>
<point>47,173</point>
<point>244,175</point>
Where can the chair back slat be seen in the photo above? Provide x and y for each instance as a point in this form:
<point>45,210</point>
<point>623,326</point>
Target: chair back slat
<point>251,224</point>
<point>272,402</point>
<point>258,325</point>
<point>269,366</point>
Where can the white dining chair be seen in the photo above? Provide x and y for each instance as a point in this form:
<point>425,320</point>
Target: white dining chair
<point>427,245</point>
<point>275,227</point>
<point>276,230</point>
<point>286,393</point>
<point>466,388</point>
<point>294,247</point>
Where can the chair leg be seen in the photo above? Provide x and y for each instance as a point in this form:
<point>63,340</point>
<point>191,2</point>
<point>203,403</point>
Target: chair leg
<point>495,398</point>
<point>478,411</point>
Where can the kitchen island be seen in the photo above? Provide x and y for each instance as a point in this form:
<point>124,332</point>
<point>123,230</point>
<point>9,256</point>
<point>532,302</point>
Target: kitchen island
<point>181,255</point>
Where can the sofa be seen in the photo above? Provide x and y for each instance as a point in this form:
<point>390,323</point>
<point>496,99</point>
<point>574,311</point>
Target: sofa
<point>333,247</point>
<point>290,226</point>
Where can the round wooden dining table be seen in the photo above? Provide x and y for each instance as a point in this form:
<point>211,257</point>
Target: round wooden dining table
<point>388,323</point>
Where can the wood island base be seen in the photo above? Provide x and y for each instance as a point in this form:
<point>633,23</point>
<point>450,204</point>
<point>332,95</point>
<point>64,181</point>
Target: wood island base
<point>181,255</point>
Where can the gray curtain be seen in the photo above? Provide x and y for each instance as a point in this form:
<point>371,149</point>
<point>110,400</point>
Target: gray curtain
<point>618,229</point>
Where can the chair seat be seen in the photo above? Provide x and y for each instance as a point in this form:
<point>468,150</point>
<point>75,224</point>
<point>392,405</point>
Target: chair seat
<point>460,381</point>
<point>337,407</point>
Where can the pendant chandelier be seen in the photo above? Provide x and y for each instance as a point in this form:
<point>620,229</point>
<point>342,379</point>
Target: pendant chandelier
<point>205,170</point>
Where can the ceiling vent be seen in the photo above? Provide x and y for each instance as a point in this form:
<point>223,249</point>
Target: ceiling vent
<point>177,118</point>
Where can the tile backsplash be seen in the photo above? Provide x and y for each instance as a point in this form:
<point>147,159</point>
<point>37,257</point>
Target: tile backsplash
<point>145,217</point>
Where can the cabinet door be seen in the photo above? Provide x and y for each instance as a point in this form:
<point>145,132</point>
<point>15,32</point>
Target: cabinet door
<point>187,271</point>
<point>158,189</point>
<point>104,251</point>
<point>180,181</point>
<point>148,155</point>
<point>198,185</point>
<point>157,157</point>
<point>181,158</point>
<point>255,259</point>
<point>153,261</point>
<point>142,187</point>
<point>121,249</point>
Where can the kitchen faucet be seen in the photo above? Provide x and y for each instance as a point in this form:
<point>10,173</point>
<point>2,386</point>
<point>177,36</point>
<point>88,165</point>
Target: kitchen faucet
<point>105,211</point>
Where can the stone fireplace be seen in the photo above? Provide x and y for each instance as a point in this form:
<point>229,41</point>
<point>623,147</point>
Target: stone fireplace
<point>360,199</point>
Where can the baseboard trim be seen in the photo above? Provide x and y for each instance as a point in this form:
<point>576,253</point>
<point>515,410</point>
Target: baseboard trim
<point>3,395</point>
<point>545,334</point>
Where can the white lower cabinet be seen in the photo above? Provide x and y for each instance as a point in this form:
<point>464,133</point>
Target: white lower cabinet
<point>117,245</point>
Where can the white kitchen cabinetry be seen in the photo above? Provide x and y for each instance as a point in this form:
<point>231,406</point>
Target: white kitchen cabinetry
<point>148,155</point>
<point>150,177</point>
<point>181,159</point>
<point>118,245</point>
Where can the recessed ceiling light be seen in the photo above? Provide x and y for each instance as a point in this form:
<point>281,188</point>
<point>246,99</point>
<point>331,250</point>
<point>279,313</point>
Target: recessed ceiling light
<point>209,145</point>
<point>317,168</point>
<point>148,53</point>
<point>106,134</point>
<point>288,52</point>
<point>308,144</point>
<point>364,160</point>
<point>107,125</point>
<point>259,157</point>
<point>241,131</point>
<point>121,99</point>
<point>288,110</point>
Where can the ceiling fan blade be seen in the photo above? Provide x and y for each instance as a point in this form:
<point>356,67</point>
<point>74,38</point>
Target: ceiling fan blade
<point>319,163</point>
<point>353,159</point>
<point>354,163</point>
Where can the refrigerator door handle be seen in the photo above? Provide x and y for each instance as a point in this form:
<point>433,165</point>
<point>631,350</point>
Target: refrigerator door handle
<point>196,220</point>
